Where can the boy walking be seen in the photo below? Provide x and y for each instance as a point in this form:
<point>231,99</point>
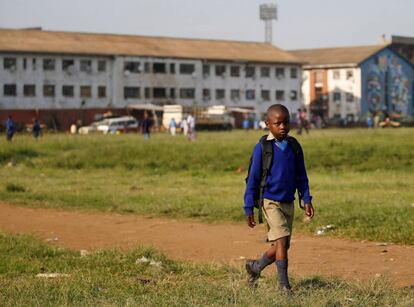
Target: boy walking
<point>286,174</point>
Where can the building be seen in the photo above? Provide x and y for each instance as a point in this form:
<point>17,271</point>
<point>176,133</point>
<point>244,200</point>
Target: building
<point>348,84</point>
<point>63,77</point>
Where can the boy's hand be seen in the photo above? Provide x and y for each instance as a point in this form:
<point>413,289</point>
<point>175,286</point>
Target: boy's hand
<point>250,221</point>
<point>309,211</point>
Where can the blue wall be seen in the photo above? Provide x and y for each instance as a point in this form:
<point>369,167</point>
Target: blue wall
<point>387,84</point>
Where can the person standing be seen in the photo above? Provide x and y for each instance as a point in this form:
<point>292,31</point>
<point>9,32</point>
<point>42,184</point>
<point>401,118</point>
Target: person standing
<point>173,126</point>
<point>36,129</point>
<point>191,128</point>
<point>146,125</point>
<point>10,128</point>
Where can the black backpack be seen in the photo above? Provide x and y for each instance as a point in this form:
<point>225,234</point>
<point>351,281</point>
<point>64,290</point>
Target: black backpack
<point>267,158</point>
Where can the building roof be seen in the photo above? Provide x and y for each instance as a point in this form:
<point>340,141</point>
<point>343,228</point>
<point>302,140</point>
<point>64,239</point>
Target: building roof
<point>336,57</point>
<point>38,41</point>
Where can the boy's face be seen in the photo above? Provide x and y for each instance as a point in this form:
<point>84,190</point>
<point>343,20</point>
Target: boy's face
<point>278,124</point>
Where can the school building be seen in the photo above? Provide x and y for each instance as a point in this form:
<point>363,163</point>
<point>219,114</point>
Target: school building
<point>348,84</point>
<point>62,77</point>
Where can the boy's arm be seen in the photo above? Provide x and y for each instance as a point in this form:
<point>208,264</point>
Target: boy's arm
<point>253,182</point>
<point>303,185</point>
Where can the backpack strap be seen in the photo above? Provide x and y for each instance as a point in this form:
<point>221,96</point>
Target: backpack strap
<point>267,158</point>
<point>297,150</point>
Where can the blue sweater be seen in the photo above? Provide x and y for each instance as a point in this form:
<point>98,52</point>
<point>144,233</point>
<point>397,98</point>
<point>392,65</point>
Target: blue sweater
<point>281,181</point>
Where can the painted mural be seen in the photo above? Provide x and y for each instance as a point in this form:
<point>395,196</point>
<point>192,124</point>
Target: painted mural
<point>388,84</point>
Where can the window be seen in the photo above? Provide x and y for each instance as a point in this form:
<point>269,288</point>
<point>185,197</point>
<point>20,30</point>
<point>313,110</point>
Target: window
<point>101,66</point>
<point>280,95</point>
<point>235,71</point>
<point>9,90</point>
<point>349,97</point>
<point>265,72</point>
<point>265,95</point>
<point>250,95</point>
<point>293,73</point>
<point>34,64</point>
<point>250,72</point>
<point>293,95</point>
<point>336,74</point>
<point>172,68</point>
<point>147,92</point>
<point>206,70</point>
<point>187,93</point>
<point>67,65</point>
<point>131,92</point>
<point>187,69</point>
<point>206,94</point>
<point>49,64</point>
<point>101,91</point>
<point>147,67</point>
<point>159,92</point>
<point>319,76</point>
<point>349,74</point>
<point>24,63</point>
<point>220,94</point>
<point>159,68</point>
<point>85,91</point>
<point>172,93</point>
<point>280,72</point>
<point>220,70</point>
<point>132,67</point>
<point>235,95</point>
<point>67,91</point>
<point>336,97</point>
<point>9,63</point>
<point>48,90</point>
<point>29,90</point>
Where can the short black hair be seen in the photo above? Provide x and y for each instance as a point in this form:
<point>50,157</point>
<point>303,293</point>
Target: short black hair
<point>277,107</point>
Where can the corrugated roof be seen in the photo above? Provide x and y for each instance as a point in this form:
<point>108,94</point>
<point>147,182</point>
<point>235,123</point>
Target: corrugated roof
<point>38,41</point>
<point>336,56</point>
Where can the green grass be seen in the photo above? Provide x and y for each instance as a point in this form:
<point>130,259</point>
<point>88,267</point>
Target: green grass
<point>362,181</point>
<point>113,278</point>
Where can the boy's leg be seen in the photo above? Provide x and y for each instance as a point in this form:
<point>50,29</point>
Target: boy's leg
<point>282,262</point>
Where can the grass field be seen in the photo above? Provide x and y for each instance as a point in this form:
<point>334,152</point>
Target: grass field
<point>362,181</point>
<point>113,278</point>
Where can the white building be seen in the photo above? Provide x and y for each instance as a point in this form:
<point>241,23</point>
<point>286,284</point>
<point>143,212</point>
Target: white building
<point>349,83</point>
<point>63,76</point>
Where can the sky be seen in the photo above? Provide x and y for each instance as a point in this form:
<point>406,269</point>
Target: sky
<point>301,23</point>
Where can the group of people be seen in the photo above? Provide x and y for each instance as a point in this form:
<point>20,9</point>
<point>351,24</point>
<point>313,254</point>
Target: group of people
<point>187,125</point>
<point>11,128</point>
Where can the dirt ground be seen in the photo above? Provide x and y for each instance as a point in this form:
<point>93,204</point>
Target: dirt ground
<point>206,243</point>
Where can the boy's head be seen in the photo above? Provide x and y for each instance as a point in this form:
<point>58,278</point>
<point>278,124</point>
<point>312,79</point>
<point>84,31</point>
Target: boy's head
<point>278,121</point>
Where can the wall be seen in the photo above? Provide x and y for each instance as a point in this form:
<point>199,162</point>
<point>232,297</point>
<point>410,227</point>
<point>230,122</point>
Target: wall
<point>387,84</point>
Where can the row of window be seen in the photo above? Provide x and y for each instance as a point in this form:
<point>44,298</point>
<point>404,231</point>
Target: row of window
<point>219,70</point>
<point>29,90</point>
<point>68,65</point>
<point>85,91</point>
<point>337,97</point>
<point>250,94</point>
<point>189,93</point>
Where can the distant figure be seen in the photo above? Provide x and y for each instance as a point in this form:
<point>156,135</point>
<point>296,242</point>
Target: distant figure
<point>73,129</point>
<point>10,129</point>
<point>377,120</point>
<point>173,126</point>
<point>36,129</point>
<point>191,128</point>
<point>246,124</point>
<point>184,126</point>
<point>146,125</point>
<point>370,121</point>
<point>301,121</point>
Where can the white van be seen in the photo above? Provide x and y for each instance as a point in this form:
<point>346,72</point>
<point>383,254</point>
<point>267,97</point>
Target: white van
<point>122,124</point>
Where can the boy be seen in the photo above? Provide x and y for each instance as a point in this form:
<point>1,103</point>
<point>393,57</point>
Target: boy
<point>286,174</point>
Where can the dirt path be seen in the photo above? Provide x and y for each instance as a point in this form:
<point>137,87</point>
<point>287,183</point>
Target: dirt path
<point>222,243</point>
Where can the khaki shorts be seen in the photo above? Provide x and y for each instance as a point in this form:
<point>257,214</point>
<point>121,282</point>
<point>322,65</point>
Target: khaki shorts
<point>279,219</point>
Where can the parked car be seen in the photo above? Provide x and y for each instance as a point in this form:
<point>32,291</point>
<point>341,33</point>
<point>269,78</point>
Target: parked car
<point>112,125</point>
